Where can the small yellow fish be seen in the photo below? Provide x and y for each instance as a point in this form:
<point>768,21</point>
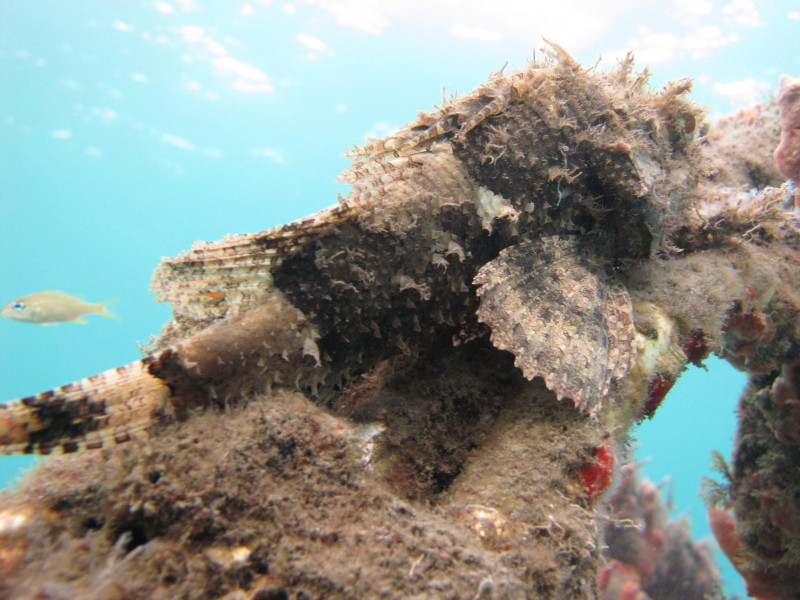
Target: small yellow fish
<point>52,306</point>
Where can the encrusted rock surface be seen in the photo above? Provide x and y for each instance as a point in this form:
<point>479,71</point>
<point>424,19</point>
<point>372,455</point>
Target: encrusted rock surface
<point>451,440</point>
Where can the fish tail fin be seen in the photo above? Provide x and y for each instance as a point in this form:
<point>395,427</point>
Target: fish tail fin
<point>101,308</point>
<point>271,344</point>
<point>112,407</point>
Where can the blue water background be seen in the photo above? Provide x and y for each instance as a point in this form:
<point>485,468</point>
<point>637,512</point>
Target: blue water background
<point>122,140</point>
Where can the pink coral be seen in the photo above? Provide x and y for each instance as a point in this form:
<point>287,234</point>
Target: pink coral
<point>787,154</point>
<point>648,555</point>
<point>621,581</point>
<point>761,584</point>
<point>759,527</point>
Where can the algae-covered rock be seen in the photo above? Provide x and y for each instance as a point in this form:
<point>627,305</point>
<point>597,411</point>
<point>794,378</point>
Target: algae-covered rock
<point>426,391</point>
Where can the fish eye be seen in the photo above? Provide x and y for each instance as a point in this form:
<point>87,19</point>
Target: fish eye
<point>18,306</point>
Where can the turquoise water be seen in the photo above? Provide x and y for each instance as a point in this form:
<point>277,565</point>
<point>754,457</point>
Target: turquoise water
<point>696,417</point>
<point>132,129</point>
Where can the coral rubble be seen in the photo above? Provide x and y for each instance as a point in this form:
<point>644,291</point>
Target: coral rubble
<point>514,280</point>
